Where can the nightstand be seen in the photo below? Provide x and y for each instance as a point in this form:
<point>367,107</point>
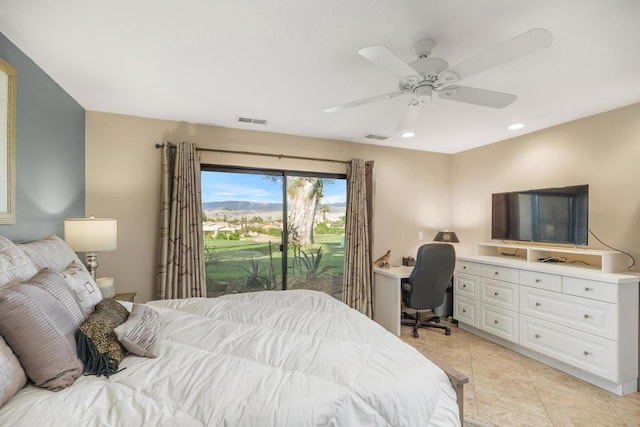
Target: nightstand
<point>125,296</point>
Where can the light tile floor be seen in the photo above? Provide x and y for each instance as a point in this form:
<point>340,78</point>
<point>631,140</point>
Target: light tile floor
<point>508,389</point>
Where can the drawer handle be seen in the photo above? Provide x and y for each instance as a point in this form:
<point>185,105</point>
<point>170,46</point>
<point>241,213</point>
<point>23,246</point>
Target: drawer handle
<point>587,289</point>
<point>536,336</point>
<point>538,280</point>
<point>496,273</point>
<point>538,304</point>
<point>464,267</point>
<point>586,353</point>
<point>464,311</point>
<point>495,293</point>
<point>586,316</point>
<point>495,322</point>
<point>464,286</point>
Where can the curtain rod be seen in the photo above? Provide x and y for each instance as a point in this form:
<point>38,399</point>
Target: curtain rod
<point>255,153</point>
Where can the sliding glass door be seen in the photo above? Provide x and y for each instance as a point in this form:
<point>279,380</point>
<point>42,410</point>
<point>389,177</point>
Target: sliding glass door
<point>252,217</point>
<point>316,209</point>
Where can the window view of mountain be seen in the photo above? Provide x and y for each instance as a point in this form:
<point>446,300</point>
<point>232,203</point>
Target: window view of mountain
<point>244,232</point>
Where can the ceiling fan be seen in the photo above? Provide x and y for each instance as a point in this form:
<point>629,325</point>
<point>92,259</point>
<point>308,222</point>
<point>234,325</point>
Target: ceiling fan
<point>428,74</point>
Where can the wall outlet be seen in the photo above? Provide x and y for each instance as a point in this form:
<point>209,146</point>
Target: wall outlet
<point>420,235</point>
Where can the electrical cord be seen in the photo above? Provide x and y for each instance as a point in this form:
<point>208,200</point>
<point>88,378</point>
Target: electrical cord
<point>553,259</point>
<point>578,261</point>
<point>633,260</point>
<point>510,254</point>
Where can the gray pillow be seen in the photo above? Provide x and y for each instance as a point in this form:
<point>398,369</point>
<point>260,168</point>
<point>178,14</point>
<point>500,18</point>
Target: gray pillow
<point>140,333</point>
<point>38,318</point>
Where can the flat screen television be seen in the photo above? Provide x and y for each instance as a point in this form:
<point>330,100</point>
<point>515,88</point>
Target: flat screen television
<point>548,215</point>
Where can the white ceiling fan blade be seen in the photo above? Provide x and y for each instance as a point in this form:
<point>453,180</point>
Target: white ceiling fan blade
<point>517,47</point>
<point>388,60</point>
<point>363,101</point>
<point>472,95</point>
<point>410,116</point>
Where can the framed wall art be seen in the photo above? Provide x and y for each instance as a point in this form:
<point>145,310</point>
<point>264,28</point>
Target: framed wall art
<point>7,143</point>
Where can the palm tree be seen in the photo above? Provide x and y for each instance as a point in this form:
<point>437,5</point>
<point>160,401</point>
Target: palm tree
<point>304,193</point>
<point>324,209</point>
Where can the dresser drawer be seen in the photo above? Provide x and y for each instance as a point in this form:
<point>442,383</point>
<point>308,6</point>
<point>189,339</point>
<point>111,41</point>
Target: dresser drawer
<point>467,267</point>
<point>465,310</point>
<point>594,317</point>
<point>499,321</point>
<point>550,282</point>
<point>501,294</point>
<point>592,289</point>
<point>590,353</point>
<point>499,273</point>
<point>466,285</point>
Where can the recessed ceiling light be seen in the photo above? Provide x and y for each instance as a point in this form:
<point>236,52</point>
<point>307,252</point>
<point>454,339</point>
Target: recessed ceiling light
<point>515,126</point>
<point>408,134</point>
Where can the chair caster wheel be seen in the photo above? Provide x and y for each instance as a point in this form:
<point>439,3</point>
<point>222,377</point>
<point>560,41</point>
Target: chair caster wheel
<point>415,334</point>
<point>447,332</point>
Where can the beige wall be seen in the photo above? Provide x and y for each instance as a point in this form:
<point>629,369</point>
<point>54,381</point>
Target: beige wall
<point>602,151</point>
<point>122,181</point>
<point>415,191</point>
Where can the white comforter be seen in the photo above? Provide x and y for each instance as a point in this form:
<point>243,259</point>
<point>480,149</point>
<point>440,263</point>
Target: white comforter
<point>287,358</point>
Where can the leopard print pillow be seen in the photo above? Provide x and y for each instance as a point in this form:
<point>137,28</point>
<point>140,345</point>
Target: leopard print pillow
<point>97,345</point>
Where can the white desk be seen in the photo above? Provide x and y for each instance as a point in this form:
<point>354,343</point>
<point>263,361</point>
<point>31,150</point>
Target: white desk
<point>387,296</point>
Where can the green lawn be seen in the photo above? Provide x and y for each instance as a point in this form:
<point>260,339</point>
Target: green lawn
<point>246,264</point>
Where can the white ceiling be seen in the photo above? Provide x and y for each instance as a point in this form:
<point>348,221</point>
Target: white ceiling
<point>209,61</point>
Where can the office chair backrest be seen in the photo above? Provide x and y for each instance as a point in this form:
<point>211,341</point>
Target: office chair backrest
<point>431,275</point>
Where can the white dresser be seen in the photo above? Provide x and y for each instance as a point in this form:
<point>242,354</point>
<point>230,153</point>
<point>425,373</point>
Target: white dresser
<point>568,315</point>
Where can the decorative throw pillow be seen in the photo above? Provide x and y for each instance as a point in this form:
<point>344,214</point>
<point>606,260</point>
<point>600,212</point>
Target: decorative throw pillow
<point>85,288</point>
<point>14,263</point>
<point>97,344</point>
<point>140,333</point>
<point>12,376</point>
<point>38,318</point>
<point>52,252</point>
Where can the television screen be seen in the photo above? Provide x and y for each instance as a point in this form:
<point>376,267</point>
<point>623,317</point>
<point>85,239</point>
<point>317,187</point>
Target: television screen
<point>549,215</point>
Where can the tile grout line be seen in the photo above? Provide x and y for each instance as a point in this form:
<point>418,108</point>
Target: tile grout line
<point>535,387</point>
<point>473,380</point>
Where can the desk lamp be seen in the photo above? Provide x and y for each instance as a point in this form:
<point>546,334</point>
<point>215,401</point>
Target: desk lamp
<point>91,235</point>
<point>446,236</point>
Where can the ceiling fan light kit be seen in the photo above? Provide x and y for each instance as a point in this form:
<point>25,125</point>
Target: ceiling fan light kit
<point>427,74</point>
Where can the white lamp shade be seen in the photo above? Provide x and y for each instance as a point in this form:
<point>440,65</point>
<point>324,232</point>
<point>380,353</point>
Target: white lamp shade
<point>91,234</point>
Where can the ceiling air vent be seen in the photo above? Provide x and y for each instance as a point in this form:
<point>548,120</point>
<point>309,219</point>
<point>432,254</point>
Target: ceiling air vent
<point>251,120</point>
<point>379,137</point>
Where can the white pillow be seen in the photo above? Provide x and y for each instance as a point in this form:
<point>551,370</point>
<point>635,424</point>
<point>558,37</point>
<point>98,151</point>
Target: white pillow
<point>51,252</point>
<point>14,263</point>
<point>12,376</point>
<point>83,285</point>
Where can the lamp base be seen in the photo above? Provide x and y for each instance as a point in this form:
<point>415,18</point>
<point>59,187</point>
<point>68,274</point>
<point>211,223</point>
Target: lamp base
<point>92,264</point>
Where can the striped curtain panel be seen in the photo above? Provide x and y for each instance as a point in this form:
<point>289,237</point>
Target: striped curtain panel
<point>181,271</point>
<point>358,286</point>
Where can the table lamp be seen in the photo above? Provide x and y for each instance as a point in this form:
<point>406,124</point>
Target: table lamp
<point>91,235</point>
<point>446,236</point>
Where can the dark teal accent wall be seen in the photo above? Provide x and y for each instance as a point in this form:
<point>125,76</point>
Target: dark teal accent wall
<point>49,151</point>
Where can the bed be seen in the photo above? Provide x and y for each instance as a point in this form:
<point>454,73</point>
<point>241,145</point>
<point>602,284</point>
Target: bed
<point>274,358</point>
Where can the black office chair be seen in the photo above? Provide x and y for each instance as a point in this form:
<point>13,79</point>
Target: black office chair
<point>425,288</point>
